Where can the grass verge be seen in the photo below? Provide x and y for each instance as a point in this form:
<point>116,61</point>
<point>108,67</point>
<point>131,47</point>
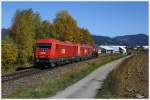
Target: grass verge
<point>129,80</point>
<point>61,81</point>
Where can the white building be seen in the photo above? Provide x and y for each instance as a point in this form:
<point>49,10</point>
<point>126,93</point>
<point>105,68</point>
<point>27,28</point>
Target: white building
<point>112,49</point>
<point>145,47</point>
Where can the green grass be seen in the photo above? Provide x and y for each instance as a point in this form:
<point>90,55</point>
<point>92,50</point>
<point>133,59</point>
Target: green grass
<point>61,81</point>
<point>106,89</point>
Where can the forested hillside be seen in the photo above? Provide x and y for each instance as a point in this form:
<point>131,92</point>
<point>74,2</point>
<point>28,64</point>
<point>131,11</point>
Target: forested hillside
<point>129,40</point>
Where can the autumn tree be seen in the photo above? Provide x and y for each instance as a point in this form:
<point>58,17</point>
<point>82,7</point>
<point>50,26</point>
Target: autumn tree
<point>45,30</point>
<point>84,36</point>
<point>9,54</point>
<point>65,26</point>
<point>23,33</point>
<point>88,37</point>
<point>67,29</point>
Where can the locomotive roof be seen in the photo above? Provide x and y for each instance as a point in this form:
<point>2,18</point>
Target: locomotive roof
<point>50,40</point>
<point>45,40</point>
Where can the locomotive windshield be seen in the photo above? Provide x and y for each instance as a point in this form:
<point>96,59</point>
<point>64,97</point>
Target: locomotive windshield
<point>43,45</point>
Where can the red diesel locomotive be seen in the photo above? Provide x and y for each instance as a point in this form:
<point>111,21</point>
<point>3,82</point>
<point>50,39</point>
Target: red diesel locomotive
<point>49,51</point>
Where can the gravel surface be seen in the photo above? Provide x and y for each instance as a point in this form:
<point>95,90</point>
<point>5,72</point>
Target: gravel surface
<point>88,86</point>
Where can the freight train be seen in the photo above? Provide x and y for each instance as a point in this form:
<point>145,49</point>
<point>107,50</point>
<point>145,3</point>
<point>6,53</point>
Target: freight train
<point>52,52</point>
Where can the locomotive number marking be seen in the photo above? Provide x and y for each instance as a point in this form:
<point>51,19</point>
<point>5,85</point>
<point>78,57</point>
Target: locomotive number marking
<point>63,51</point>
<point>43,53</point>
<point>85,51</point>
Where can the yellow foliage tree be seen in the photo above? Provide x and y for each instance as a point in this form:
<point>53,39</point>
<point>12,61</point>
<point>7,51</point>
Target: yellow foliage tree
<point>9,54</point>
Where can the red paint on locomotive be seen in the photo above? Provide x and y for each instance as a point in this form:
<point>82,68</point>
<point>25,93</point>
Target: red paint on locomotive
<point>49,48</point>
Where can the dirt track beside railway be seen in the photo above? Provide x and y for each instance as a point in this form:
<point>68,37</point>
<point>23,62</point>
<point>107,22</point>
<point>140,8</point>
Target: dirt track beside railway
<point>88,86</point>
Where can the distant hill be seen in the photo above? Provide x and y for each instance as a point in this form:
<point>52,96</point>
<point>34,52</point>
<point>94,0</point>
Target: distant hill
<point>5,32</point>
<point>130,40</point>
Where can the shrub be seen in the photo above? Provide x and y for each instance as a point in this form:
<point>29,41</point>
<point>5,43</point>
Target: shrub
<point>9,54</point>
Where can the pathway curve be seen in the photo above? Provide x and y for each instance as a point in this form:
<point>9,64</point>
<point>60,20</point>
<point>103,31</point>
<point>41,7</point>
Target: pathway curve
<point>88,86</point>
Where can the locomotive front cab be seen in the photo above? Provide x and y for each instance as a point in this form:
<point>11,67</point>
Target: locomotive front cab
<point>42,51</point>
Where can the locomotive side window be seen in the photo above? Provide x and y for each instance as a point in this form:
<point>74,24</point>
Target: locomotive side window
<point>43,45</point>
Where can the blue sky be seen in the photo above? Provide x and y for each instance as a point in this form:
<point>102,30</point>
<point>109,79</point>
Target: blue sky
<point>100,18</point>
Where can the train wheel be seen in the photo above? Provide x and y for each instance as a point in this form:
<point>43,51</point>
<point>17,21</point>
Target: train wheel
<point>53,64</point>
<point>58,63</point>
<point>46,66</point>
<point>71,61</point>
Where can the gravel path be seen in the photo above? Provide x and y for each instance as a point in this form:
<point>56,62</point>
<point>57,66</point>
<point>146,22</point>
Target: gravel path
<point>88,86</point>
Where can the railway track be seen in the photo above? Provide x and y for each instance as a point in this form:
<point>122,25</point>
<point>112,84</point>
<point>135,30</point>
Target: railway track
<point>20,74</point>
<point>25,72</point>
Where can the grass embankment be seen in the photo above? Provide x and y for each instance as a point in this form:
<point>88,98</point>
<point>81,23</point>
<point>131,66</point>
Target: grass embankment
<point>62,80</point>
<point>129,80</point>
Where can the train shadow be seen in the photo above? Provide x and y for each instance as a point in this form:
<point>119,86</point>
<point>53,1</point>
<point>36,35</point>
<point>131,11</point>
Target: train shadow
<point>24,68</point>
<point>45,67</point>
